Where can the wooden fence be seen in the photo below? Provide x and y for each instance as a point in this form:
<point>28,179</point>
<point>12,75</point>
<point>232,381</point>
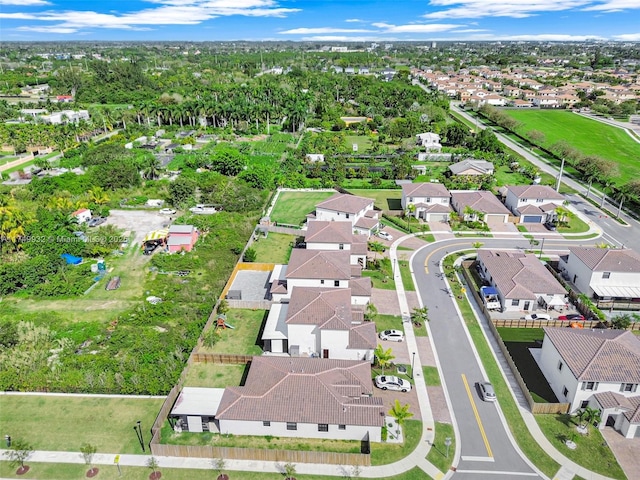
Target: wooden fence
<point>287,230</point>
<point>264,455</point>
<point>224,358</point>
<point>252,304</point>
<point>522,323</point>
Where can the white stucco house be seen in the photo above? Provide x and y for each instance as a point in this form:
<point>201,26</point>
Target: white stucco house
<point>523,283</point>
<point>326,235</point>
<point>430,141</point>
<point>320,322</point>
<point>82,215</point>
<point>533,203</point>
<point>304,397</point>
<point>606,275</point>
<point>598,368</point>
<point>487,207</point>
<point>431,201</point>
<point>351,208</point>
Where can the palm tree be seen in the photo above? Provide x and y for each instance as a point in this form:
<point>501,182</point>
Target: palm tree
<point>400,413</point>
<point>383,357</point>
<point>621,194</point>
<point>420,315</point>
<point>588,416</point>
<point>150,167</point>
<point>98,196</point>
<point>408,212</point>
<point>12,225</point>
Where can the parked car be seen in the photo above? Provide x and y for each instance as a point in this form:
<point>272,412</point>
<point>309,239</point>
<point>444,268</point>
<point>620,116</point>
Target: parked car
<point>203,209</point>
<point>390,382</point>
<point>384,235</point>
<point>537,316</point>
<point>392,335</point>
<point>550,226</point>
<point>166,211</point>
<point>487,392</point>
<point>95,221</point>
<point>571,316</point>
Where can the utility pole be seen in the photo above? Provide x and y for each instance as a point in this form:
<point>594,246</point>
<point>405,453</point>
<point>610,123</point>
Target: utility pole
<point>560,175</point>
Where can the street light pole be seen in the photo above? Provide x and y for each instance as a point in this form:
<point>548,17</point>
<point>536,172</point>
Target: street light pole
<point>541,247</point>
<point>141,436</point>
<point>413,362</point>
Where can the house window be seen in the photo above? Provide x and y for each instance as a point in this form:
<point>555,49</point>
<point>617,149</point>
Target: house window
<point>411,199</point>
<point>560,365</point>
<point>524,199</point>
<point>347,215</point>
<point>266,423</point>
<point>590,386</point>
<point>428,200</point>
<point>539,200</point>
<point>515,302</point>
<point>565,392</point>
<point>321,282</point>
<point>323,427</point>
<point>341,246</point>
<point>292,426</point>
<point>628,387</point>
<point>336,283</point>
<point>342,427</point>
<point>606,274</point>
<point>584,404</point>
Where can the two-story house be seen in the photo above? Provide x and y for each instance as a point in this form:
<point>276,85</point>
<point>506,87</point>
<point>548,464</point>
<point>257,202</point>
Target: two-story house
<point>609,276</point>
<point>430,201</point>
<point>533,203</point>
<point>325,235</point>
<point>430,141</point>
<point>479,205</point>
<point>350,208</point>
<point>598,368</point>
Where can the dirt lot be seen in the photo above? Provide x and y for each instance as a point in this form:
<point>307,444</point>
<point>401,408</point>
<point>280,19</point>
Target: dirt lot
<point>139,221</point>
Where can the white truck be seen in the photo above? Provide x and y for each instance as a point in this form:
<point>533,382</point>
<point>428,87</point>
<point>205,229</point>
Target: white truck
<point>490,298</point>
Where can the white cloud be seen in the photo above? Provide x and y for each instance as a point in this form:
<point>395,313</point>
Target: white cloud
<point>48,29</point>
<point>170,12</point>
<point>416,28</point>
<point>308,31</point>
<point>543,37</point>
<point>506,8</point>
<point>343,38</point>
<point>628,37</point>
<point>354,20</point>
<point>609,6</point>
<point>25,3</point>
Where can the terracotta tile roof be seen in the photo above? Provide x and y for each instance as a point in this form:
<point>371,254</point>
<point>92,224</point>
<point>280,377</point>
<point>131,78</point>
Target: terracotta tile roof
<point>608,260</point>
<point>341,202</point>
<point>325,307</point>
<point>359,248</point>
<point>481,201</point>
<point>518,275</point>
<point>360,287</point>
<point>319,264</point>
<point>424,190</point>
<point>329,232</point>
<point>535,191</point>
<point>548,207</point>
<point>279,286</point>
<point>367,223</point>
<point>304,390</point>
<point>481,166</point>
<point>356,271</point>
<point>598,355</point>
<point>529,210</point>
<point>630,406</point>
<point>437,208</point>
<point>363,336</point>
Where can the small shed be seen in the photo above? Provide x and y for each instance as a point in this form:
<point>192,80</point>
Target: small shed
<point>82,215</point>
<point>195,409</point>
<point>182,237</point>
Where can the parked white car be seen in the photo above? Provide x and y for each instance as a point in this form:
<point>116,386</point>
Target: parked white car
<point>390,382</point>
<point>384,235</point>
<point>537,316</point>
<point>392,335</point>
<point>166,211</point>
<point>203,210</point>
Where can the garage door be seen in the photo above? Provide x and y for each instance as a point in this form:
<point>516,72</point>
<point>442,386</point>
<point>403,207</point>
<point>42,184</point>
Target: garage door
<point>438,217</point>
<point>532,219</point>
<point>637,431</point>
<point>495,219</point>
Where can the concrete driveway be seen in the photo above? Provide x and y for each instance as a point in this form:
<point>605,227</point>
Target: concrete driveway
<point>139,222</point>
<point>626,451</point>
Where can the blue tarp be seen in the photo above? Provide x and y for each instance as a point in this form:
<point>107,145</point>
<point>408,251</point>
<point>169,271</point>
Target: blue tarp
<point>71,259</point>
<point>488,291</point>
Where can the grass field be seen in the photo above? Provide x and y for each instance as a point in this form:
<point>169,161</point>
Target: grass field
<point>214,375</point>
<point>293,207</point>
<point>440,455</point>
<point>64,423</point>
<point>388,322</point>
<point>383,199</point>
<point>431,376</point>
<point>383,453</point>
<point>244,338</point>
<point>363,142</point>
<point>276,248</point>
<point>589,136</point>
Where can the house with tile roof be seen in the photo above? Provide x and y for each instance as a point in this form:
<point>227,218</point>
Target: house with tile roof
<point>533,203</point>
<point>598,368</point>
<point>320,322</point>
<point>471,166</point>
<point>523,283</point>
<point>351,208</point>
<point>303,397</point>
<point>430,201</point>
<point>609,276</point>
<point>327,235</point>
<point>430,141</point>
<point>484,205</point>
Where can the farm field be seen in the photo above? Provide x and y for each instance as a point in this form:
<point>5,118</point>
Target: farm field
<point>293,207</point>
<point>588,136</point>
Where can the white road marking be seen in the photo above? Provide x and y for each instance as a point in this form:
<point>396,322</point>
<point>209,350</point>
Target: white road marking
<point>521,474</point>
<point>476,459</point>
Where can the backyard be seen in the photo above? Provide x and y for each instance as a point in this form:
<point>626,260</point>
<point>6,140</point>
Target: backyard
<point>244,337</point>
<point>383,199</point>
<point>275,248</point>
<point>292,207</point>
<point>214,375</point>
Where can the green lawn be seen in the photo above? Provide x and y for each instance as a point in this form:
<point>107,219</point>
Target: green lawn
<point>431,376</point>
<point>363,142</point>
<point>57,471</point>
<point>380,279</point>
<point>388,322</point>
<point>276,248</point>
<point>214,375</point>
<point>589,136</point>
<point>405,273</point>
<point>438,453</point>
<point>382,199</point>
<point>575,226</point>
<point>244,338</point>
<point>64,423</point>
<point>384,453</point>
<point>292,207</point>
<point>591,453</point>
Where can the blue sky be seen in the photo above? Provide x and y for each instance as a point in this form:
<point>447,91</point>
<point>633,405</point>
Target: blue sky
<point>320,20</point>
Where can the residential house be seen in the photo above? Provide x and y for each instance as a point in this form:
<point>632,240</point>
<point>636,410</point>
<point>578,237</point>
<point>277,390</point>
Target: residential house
<point>609,276</point>
<point>195,409</point>
<point>82,215</point>
<point>430,141</point>
<point>430,201</point>
<point>522,281</point>
<point>343,207</point>
<point>182,238</point>
<point>479,205</point>
<point>598,368</point>
<point>533,203</point>
<point>326,235</point>
<point>319,322</point>
<point>315,157</point>
<point>471,166</point>
<point>65,116</point>
<point>304,397</point>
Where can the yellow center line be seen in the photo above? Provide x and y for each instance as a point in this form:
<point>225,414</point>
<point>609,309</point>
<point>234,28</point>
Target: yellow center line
<point>426,260</point>
<point>475,412</point>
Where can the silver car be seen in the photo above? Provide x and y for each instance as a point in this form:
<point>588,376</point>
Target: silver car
<point>390,382</point>
<point>487,392</point>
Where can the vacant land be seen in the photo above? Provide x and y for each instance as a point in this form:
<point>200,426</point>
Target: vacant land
<point>588,136</point>
<point>244,337</point>
<point>382,199</point>
<point>65,423</point>
<point>293,207</point>
<point>276,248</point>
